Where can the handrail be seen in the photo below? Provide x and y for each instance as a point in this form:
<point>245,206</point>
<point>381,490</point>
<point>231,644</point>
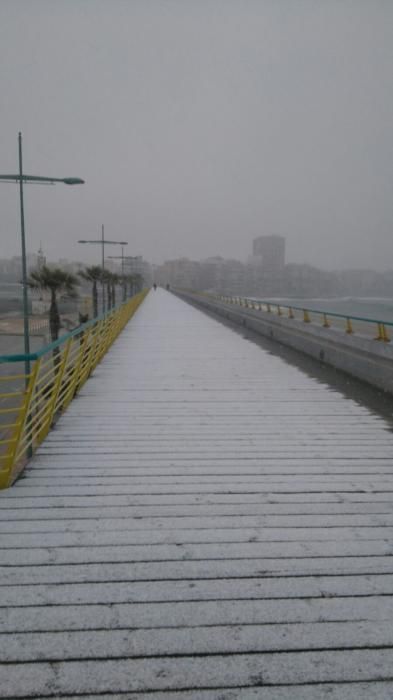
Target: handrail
<point>62,339</point>
<point>319,311</point>
<point>251,302</point>
<point>58,371</point>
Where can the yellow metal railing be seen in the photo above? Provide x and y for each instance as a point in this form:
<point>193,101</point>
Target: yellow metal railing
<point>31,403</point>
<point>373,328</point>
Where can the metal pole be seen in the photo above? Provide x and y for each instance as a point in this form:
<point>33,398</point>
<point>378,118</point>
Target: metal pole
<point>103,267</point>
<point>24,266</point>
<point>122,274</point>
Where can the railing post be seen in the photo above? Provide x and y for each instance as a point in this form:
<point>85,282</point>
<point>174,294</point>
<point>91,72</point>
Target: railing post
<point>73,387</point>
<point>55,393</point>
<point>95,352</point>
<point>382,333</point>
<point>349,328</point>
<point>17,434</point>
<point>326,323</point>
<point>306,316</point>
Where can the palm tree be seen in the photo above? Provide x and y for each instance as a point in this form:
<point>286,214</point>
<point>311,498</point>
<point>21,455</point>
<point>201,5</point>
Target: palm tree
<point>93,275</point>
<point>138,282</point>
<point>107,277</point>
<point>123,279</point>
<point>129,279</point>
<point>55,280</point>
<point>115,279</point>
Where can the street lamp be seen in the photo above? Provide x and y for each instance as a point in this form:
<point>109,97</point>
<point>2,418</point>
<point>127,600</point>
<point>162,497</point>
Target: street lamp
<point>121,257</point>
<point>38,179</point>
<point>103,242</point>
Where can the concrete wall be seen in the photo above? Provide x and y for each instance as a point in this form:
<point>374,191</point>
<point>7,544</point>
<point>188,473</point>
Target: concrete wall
<point>363,358</point>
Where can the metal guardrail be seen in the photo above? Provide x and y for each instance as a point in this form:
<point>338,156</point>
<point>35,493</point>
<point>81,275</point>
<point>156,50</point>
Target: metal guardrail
<point>30,403</point>
<point>374,327</point>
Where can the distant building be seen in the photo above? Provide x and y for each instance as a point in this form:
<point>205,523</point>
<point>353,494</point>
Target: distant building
<point>269,253</point>
<point>136,265</point>
<point>181,272</point>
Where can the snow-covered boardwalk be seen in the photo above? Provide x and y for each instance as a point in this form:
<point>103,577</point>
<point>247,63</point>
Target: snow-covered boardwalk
<point>206,522</point>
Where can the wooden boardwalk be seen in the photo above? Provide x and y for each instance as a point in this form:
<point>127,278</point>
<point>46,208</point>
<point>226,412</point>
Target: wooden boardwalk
<point>205,522</point>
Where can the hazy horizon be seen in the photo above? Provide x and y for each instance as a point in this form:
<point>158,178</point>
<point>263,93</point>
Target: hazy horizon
<point>200,125</point>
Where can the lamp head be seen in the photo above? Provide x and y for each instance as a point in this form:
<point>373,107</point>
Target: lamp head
<point>73,181</point>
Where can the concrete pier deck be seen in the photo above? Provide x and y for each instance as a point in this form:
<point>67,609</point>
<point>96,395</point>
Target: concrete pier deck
<point>205,522</point>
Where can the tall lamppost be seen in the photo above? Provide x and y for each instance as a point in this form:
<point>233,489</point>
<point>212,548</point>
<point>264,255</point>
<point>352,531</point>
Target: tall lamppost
<point>121,257</point>
<point>103,242</point>
<point>131,260</point>
<point>21,178</point>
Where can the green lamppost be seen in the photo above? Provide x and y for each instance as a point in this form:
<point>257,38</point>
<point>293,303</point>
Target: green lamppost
<point>120,257</point>
<point>21,178</point>
<point>103,242</point>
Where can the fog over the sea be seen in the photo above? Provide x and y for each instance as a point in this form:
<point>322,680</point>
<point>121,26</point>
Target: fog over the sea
<point>199,125</point>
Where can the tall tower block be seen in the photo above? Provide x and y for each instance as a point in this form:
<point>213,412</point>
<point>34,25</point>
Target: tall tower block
<point>271,252</point>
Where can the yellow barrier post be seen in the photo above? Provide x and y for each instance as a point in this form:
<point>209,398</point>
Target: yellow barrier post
<point>6,473</point>
<point>382,333</point>
<point>94,342</point>
<point>306,316</point>
<point>348,328</point>
<point>379,335</point>
<point>326,323</point>
<point>105,338</point>
<point>55,393</point>
<point>83,370</point>
<point>72,380</point>
<point>101,334</point>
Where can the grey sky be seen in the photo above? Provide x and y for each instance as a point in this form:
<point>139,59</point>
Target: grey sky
<point>201,124</point>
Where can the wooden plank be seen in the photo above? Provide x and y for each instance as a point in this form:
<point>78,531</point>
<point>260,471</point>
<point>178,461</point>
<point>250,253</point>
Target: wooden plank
<point>195,613</point>
<point>130,675</point>
<point>179,641</point>
<point>26,569</point>
<point>378,690</point>
<point>218,544</point>
<point>107,514</point>
<point>167,588</point>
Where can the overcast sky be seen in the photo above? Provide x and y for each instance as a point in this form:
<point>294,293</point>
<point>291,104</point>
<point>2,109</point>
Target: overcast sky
<point>199,125</point>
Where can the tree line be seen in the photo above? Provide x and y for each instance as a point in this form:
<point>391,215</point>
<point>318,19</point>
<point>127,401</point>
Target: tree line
<point>57,281</point>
